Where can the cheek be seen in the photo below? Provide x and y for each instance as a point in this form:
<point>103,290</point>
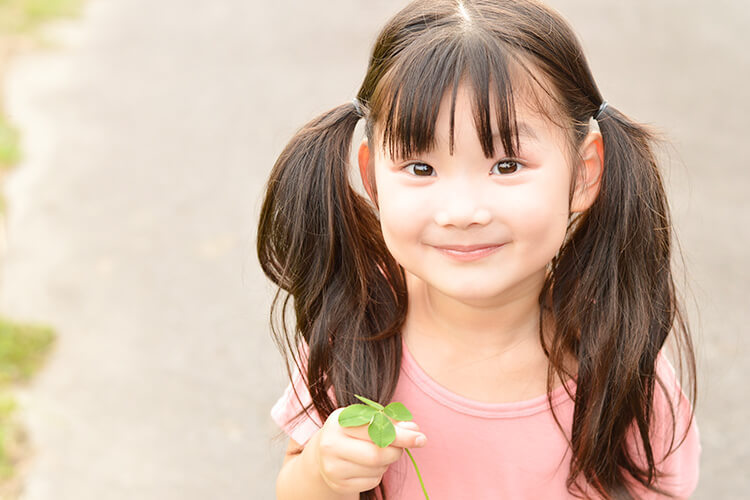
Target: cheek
<point>403,216</point>
<point>543,224</point>
<point>548,225</point>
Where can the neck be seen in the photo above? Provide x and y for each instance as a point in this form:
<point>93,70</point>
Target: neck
<point>489,328</point>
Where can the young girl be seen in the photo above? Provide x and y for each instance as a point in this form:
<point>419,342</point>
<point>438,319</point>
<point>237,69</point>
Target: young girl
<point>508,279</point>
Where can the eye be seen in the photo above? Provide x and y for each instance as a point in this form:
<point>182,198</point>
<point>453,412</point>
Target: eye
<point>506,167</point>
<point>420,169</point>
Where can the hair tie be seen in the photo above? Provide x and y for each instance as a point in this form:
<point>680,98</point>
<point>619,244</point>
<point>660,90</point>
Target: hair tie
<point>358,107</point>
<point>601,110</point>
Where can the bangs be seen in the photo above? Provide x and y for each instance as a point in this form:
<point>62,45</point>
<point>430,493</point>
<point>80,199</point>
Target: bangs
<point>406,102</point>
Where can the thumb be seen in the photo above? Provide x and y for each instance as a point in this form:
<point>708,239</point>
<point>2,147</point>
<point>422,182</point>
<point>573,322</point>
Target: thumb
<point>408,425</point>
<point>408,436</point>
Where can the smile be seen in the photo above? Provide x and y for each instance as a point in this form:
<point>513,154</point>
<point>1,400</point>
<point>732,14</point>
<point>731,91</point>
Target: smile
<point>469,255</point>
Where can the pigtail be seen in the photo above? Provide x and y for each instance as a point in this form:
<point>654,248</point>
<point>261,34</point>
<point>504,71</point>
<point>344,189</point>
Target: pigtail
<point>320,241</point>
<point>613,299</point>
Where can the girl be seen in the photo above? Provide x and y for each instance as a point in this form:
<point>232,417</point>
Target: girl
<point>510,282</point>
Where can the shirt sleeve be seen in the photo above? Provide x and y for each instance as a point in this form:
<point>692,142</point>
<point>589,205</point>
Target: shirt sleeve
<point>289,405</point>
<point>680,466</point>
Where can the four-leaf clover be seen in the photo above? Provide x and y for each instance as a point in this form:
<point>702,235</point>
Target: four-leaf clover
<point>379,426</point>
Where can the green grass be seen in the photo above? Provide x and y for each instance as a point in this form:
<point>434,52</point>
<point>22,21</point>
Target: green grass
<point>20,20</point>
<point>23,349</point>
<point>10,153</point>
<point>24,16</point>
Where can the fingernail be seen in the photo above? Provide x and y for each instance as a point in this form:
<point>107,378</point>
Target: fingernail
<point>420,441</point>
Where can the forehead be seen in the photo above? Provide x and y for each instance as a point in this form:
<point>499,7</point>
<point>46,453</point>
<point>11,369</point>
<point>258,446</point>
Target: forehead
<point>527,119</point>
<point>530,118</point>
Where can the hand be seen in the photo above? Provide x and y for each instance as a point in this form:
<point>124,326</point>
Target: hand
<point>348,460</point>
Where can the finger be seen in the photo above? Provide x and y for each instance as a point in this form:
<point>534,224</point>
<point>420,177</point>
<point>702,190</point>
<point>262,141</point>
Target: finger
<point>362,484</point>
<point>409,425</point>
<point>350,459</point>
<point>407,438</point>
<point>356,471</point>
<point>407,433</point>
<point>368,454</point>
<point>358,432</point>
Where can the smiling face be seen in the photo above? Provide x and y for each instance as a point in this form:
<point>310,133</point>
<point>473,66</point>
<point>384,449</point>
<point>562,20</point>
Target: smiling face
<point>518,207</point>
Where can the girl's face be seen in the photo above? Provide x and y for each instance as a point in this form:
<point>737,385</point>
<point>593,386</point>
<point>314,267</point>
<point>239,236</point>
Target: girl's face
<point>517,207</point>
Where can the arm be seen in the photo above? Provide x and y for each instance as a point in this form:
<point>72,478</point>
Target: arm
<point>300,478</point>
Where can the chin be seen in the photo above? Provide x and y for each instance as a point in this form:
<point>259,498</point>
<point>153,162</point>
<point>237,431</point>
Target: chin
<point>471,294</point>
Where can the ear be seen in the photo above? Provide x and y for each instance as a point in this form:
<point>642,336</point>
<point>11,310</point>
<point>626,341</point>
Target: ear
<point>589,173</point>
<point>365,169</point>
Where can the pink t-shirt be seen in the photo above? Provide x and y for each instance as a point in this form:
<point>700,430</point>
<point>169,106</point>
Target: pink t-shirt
<point>486,451</point>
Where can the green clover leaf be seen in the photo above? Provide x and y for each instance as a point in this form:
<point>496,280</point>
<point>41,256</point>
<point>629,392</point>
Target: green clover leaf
<point>379,428</point>
<point>397,411</point>
<point>369,402</point>
<point>356,415</point>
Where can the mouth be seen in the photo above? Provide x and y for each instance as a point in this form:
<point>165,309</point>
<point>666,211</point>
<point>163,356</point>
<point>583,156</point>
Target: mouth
<point>468,253</point>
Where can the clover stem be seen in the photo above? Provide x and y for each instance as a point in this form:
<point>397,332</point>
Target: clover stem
<point>418,474</point>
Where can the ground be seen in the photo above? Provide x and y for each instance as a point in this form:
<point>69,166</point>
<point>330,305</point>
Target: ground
<point>131,223</point>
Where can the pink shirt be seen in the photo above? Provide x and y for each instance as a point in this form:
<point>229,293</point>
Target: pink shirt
<point>485,451</point>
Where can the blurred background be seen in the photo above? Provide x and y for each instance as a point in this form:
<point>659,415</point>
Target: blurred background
<point>147,130</point>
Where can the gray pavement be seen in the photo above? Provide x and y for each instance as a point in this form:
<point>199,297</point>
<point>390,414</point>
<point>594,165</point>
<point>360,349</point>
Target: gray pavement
<point>149,134</point>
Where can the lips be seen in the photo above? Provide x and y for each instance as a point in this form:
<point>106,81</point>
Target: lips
<point>467,248</point>
<point>466,253</point>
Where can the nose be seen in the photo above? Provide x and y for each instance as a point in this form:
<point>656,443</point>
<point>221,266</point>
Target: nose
<point>462,208</point>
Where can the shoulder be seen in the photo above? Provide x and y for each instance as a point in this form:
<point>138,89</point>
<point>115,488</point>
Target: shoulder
<point>293,412</point>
